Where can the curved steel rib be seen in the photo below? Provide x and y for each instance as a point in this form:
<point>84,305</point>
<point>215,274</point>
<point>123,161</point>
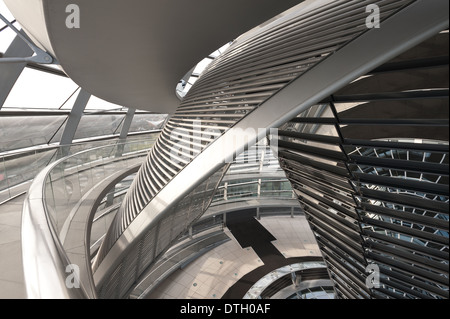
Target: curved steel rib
<point>295,58</point>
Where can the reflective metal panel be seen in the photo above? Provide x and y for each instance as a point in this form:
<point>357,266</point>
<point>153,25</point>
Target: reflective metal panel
<point>229,92</point>
<point>375,198</point>
<point>314,82</point>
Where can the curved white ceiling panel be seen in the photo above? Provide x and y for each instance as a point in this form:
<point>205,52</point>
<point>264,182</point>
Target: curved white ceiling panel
<point>133,52</point>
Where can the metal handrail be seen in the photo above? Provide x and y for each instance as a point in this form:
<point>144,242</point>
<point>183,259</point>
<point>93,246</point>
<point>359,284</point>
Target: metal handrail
<point>18,187</point>
<point>49,147</point>
<point>47,269</point>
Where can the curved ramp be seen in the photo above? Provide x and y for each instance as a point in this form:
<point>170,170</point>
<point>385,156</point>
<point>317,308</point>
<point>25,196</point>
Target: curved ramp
<point>254,85</point>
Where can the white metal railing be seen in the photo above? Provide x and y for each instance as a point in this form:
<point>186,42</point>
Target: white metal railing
<point>18,168</point>
<point>48,213</point>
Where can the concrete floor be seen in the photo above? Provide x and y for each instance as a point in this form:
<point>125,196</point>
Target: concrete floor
<point>211,275</point>
<point>294,236</point>
<point>11,270</point>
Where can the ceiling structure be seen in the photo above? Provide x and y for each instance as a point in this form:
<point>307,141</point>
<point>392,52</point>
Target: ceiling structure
<point>134,52</point>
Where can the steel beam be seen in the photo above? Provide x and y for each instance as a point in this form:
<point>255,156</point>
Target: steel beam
<point>75,117</point>
<point>10,72</point>
<point>127,124</point>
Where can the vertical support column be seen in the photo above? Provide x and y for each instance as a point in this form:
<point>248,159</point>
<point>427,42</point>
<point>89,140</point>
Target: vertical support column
<point>261,160</point>
<point>259,188</point>
<point>124,131</point>
<point>225,191</point>
<point>10,72</point>
<point>73,121</point>
<point>127,124</point>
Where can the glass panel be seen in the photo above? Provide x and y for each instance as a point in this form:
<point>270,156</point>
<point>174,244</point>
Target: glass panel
<point>6,13</point>
<point>71,179</point>
<point>56,138</point>
<point>6,35</point>
<point>272,185</point>
<point>6,38</point>
<point>202,65</point>
<point>98,125</point>
<point>4,193</point>
<point>243,190</point>
<point>96,103</point>
<point>147,122</point>
<point>41,90</point>
<point>39,130</point>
